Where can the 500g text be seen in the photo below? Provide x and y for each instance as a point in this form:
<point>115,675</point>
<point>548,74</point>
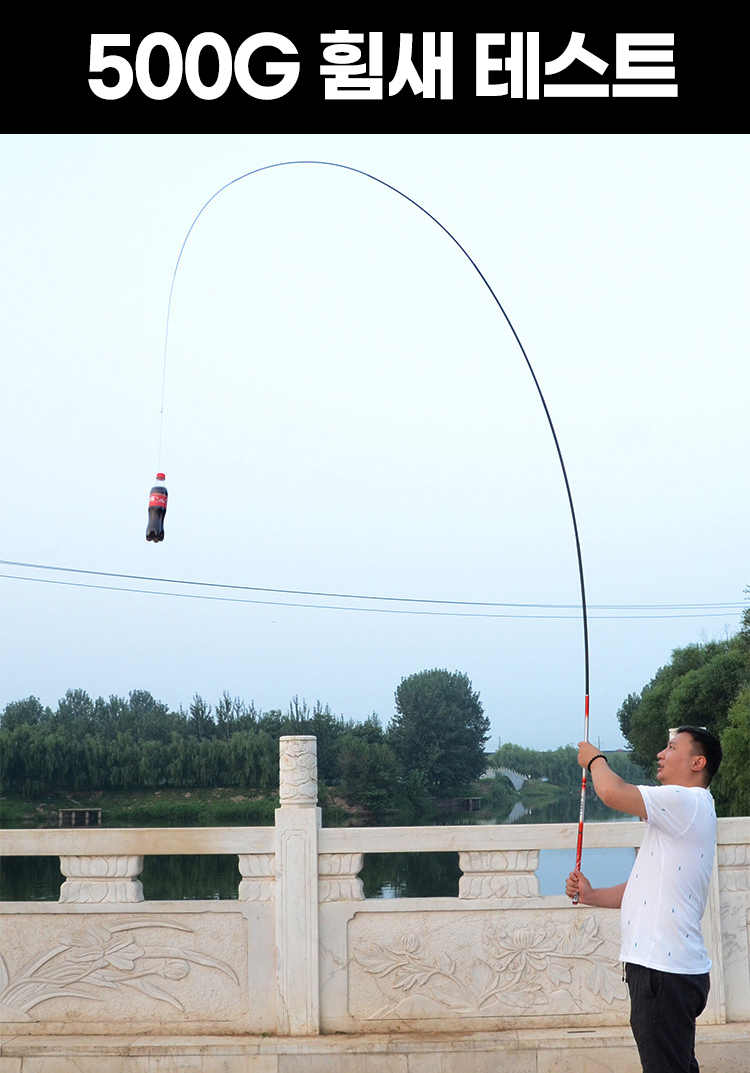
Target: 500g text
<point>228,66</point>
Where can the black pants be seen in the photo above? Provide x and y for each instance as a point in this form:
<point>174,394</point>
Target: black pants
<point>663,1010</point>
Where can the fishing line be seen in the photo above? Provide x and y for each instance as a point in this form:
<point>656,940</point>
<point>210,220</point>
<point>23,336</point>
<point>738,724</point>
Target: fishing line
<point>374,178</point>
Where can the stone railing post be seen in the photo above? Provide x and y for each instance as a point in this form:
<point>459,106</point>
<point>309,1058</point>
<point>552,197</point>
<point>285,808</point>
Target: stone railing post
<point>733,868</point>
<point>297,824</point>
<point>499,874</point>
<point>339,877</point>
<point>258,872</point>
<point>101,879</point>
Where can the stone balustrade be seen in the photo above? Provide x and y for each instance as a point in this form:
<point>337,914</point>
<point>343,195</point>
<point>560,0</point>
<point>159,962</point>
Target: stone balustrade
<point>302,954</point>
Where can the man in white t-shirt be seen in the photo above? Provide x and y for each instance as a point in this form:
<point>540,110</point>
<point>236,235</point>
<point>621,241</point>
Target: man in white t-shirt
<point>662,903</point>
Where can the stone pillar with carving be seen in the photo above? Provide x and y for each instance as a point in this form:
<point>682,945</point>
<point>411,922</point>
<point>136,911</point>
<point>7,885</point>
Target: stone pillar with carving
<point>297,824</point>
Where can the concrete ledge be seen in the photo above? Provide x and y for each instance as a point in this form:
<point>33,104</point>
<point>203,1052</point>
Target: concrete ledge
<point>721,1049</point>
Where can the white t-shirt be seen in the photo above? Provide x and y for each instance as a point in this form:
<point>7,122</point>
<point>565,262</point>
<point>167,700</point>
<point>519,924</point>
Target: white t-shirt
<point>666,893</point>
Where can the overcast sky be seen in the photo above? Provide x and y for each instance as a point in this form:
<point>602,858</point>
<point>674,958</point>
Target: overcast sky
<point>347,412</point>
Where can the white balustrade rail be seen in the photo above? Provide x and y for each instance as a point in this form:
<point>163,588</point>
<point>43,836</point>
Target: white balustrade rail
<point>302,951</point>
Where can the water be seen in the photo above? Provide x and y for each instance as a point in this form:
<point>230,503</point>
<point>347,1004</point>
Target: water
<point>414,875</point>
<point>165,878</point>
<point>384,875</point>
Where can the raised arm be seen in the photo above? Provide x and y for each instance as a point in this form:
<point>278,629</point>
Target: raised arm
<point>610,788</point>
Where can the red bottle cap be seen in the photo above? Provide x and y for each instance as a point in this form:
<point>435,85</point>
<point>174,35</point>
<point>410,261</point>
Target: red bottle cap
<point>160,477</point>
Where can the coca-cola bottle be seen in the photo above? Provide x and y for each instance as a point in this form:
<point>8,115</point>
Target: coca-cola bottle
<point>157,508</point>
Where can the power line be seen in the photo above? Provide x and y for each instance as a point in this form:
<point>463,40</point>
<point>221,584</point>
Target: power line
<point>277,603</point>
<point>361,596</point>
<point>283,592</point>
<point>695,610</point>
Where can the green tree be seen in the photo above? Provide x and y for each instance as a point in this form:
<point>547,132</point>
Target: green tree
<point>704,696</point>
<point>200,722</point>
<point>733,780</point>
<point>439,730</point>
<point>744,634</point>
<point>369,773</point>
<point>228,714</point>
<point>625,714</point>
<point>75,712</point>
<point>29,712</point>
<point>149,719</point>
<point>369,730</point>
<point>697,687</point>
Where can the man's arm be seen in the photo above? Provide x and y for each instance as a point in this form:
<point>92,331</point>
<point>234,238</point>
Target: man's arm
<point>610,788</point>
<point>601,897</point>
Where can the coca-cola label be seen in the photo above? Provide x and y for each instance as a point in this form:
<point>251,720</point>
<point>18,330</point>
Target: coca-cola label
<point>157,499</point>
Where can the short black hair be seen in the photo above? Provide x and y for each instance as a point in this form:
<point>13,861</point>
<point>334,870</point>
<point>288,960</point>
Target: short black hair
<point>705,744</point>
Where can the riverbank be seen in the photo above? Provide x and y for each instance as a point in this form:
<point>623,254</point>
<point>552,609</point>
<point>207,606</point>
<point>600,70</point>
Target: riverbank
<point>145,808</point>
<point>229,807</point>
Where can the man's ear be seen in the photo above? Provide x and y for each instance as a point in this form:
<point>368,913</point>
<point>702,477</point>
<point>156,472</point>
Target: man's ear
<point>698,763</point>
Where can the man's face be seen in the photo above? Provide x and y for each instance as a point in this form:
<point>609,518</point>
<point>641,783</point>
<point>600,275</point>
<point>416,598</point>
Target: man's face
<point>679,765</point>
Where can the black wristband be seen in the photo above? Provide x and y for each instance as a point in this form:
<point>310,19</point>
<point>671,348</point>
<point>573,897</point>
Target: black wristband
<point>599,756</point>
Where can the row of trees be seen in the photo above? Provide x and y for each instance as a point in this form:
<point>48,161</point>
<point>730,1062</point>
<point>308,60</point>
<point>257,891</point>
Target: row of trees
<point>434,744</point>
<point>705,685</point>
<point>560,766</point>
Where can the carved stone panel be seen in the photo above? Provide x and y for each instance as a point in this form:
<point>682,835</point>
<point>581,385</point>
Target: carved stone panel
<point>135,968</point>
<point>517,963</point>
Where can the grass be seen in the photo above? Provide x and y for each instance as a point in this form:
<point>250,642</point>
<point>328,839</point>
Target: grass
<point>534,793</point>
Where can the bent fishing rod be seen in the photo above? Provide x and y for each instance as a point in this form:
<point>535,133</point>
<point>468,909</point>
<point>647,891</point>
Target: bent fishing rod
<point>498,303</point>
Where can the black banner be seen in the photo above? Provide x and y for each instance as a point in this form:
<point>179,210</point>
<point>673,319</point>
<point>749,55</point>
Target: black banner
<point>378,81</point>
